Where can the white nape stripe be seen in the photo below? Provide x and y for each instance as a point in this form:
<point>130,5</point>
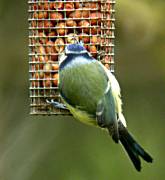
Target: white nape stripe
<point>79,61</point>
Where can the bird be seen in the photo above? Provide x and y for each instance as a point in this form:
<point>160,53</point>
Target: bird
<point>92,94</point>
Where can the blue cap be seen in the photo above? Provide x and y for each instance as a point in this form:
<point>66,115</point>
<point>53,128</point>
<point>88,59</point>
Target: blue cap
<point>77,48</point>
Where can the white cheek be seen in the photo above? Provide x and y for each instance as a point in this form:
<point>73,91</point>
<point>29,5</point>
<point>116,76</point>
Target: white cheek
<point>61,58</point>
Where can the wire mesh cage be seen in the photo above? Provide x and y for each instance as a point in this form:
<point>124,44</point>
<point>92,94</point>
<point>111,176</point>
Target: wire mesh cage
<point>53,25</point>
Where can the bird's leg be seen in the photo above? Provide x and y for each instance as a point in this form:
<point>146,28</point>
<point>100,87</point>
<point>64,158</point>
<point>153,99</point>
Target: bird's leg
<point>56,104</point>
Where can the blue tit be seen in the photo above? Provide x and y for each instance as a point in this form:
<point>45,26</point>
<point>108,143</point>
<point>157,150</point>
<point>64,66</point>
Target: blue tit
<point>92,94</point>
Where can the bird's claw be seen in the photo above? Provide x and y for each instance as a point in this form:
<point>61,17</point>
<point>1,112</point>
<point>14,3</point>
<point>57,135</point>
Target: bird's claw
<point>56,104</point>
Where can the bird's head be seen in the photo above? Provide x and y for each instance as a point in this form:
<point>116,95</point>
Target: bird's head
<point>73,49</point>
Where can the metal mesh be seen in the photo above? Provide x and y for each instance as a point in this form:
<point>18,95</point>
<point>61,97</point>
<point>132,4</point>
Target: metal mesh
<point>54,24</point>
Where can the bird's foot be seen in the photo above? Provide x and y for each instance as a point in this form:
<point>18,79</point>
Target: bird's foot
<point>56,104</point>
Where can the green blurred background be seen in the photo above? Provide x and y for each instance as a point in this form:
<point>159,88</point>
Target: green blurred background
<point>59,148</point>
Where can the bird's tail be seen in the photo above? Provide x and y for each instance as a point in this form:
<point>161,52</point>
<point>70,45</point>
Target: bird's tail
<point>133,149</point>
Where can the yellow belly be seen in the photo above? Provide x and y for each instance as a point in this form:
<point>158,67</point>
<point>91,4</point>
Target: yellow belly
<point>82,116</point>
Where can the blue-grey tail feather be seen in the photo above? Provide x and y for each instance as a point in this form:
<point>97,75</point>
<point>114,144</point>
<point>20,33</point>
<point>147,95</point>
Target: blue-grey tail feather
<point>106,115</point>
<point>133,149</point>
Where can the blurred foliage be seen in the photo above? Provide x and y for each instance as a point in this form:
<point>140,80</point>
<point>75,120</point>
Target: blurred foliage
<point>59,148</point>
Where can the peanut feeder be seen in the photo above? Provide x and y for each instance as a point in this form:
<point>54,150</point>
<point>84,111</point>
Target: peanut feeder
<point>53,25</point>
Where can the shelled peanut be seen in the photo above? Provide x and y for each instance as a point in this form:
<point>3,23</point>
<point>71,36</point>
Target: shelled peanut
<point>58,23</point>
